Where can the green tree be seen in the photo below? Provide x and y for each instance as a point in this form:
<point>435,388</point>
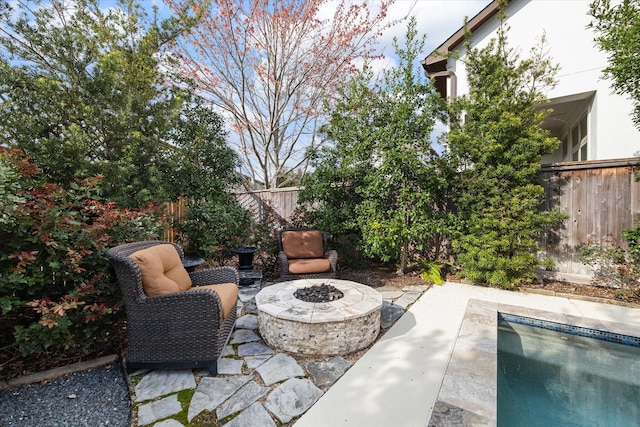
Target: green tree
<point>331,193</point>
<point>82,94</point>
<point>202,160</point>
<point>386,173</point>
<point>497,149</point>
<point>618,29</point>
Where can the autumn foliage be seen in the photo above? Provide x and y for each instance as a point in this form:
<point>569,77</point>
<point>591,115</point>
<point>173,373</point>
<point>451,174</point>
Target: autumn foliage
<point>56,292</point>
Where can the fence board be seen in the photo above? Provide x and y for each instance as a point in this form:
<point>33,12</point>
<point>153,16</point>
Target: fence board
<point>594,186</point>
<point>624,220</point>
<point>282,201</point>
<point>176,210</point>
<point>601,198</point>
<point>635,194</point>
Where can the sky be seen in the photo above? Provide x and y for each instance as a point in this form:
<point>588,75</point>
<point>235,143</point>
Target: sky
<point>437,18</point>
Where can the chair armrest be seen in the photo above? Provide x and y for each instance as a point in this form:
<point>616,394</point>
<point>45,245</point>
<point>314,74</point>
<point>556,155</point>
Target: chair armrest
<point>212,276</point>
<point>284,263</point>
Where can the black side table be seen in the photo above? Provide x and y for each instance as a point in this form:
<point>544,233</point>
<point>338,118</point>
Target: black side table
<point>191,262</point>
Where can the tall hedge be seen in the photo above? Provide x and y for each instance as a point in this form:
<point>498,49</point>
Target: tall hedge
<point>496,145</point>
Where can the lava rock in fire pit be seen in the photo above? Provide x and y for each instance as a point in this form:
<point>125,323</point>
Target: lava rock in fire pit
<point>319,293</point>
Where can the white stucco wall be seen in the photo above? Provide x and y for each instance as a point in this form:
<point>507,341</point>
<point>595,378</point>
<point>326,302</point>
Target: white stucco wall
<point>569,43</point>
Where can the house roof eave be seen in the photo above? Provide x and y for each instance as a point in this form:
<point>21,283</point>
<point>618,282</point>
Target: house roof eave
<point>436,60</point>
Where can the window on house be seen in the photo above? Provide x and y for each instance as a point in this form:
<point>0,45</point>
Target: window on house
<point>579,140</point>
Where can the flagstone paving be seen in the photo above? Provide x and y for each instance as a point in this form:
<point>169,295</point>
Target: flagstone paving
<point>256,385</point>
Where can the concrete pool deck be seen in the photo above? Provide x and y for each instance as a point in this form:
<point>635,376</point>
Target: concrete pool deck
<point>398,381</point>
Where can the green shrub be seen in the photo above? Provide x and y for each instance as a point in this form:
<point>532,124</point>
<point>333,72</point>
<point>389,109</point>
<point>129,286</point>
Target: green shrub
<point>496,144</point>
<point>632,237</point>
<point>56,290</point>
<point>212,228</point>
<point>431,272</point>
<point>264,237</point>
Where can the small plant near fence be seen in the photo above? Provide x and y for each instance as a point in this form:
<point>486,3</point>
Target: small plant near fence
<point>263,235</point>
<point>616,262</point>
<point>212,228</point>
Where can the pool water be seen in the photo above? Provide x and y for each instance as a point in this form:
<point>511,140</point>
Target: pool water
<point>551,378</point>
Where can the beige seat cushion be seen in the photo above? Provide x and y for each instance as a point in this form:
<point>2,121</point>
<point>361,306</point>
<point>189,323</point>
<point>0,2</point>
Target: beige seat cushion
<point>162,270</point>
<point>228,293</point>
<point>309,266</point>
<point>302,244</point>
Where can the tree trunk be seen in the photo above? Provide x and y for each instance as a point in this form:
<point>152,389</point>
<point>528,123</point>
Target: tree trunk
<point>403,259</point>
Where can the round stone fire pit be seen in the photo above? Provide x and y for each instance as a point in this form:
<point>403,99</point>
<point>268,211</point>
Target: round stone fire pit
<point>342,326</point>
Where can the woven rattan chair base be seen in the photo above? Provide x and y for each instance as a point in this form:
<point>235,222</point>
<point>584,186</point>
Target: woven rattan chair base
<point>173,331</point>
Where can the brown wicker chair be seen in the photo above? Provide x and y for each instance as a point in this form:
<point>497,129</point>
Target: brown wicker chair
<point>177,330</point>
<point>304,255</point>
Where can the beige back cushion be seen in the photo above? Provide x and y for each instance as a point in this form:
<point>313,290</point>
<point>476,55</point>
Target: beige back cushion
<point>162,270</point>
<point>302,244</point>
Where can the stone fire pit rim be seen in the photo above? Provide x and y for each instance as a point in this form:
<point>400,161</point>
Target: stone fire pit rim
<point>358,300</point>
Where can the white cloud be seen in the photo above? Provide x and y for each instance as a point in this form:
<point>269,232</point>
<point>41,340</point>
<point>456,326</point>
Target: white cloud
<point>439,19</point>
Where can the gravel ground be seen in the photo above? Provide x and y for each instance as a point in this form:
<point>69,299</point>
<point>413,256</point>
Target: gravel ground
<point>92,398</point>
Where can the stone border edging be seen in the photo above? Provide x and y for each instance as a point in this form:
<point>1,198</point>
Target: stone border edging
<point>598,300</point>
<point>551,293</point>
<point>57,372</point>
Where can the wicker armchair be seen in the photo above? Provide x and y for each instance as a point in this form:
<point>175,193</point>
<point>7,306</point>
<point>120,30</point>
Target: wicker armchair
<point>304,255</point>
<point>177,330</point>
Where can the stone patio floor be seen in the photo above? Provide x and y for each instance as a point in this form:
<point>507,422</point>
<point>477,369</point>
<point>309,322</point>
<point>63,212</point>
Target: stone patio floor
<point>256,385</point>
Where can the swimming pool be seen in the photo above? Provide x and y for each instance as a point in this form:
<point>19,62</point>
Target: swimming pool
<point>552,374</point>
<point>468,392</point>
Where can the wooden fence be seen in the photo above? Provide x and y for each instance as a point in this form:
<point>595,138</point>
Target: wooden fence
<point>175,209</point>
<point>601,198</point>
<point>282,201</point>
